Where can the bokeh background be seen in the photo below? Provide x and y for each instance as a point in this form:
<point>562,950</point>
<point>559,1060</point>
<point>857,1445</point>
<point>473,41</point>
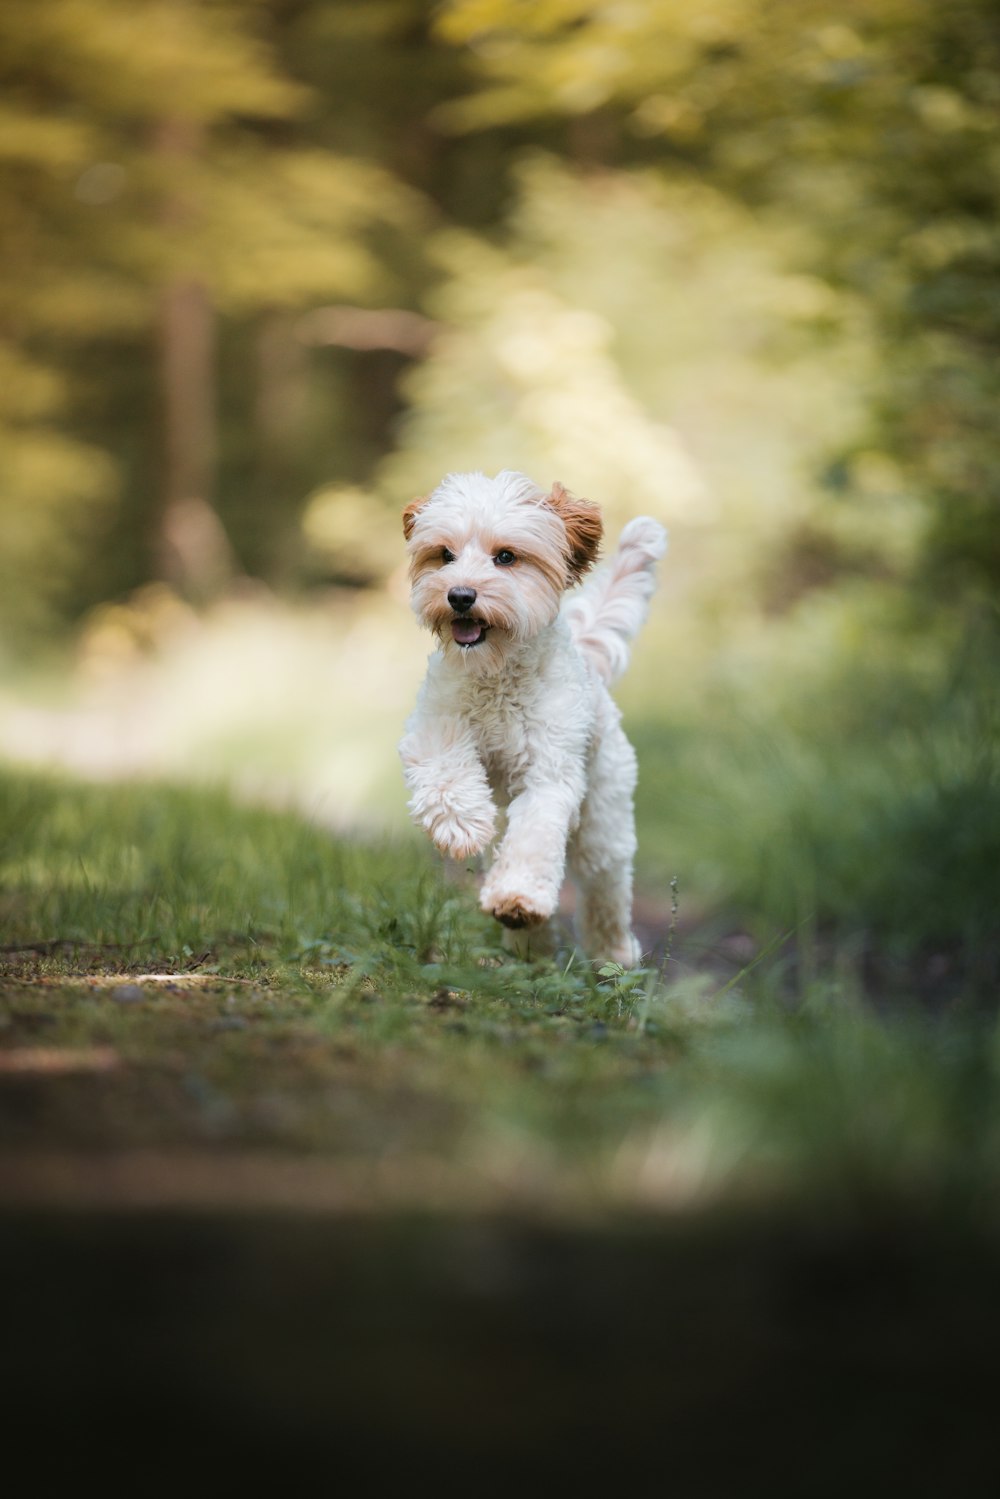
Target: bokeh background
<point>272,267</point>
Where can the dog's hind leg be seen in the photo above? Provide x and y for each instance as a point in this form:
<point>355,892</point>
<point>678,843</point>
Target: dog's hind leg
<point>601,855</point>
<point>604,915</point>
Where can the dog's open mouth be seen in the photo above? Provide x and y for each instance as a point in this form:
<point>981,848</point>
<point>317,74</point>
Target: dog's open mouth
<point>466,631</point>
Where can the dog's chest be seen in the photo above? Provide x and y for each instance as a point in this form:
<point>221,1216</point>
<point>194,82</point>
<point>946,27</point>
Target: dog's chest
<point>505,732</point>
<point>524,734</point>
<point>508,727</point>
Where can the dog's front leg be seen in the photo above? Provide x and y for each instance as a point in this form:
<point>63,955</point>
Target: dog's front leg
<point>449,793</point>
<point>522,888</point>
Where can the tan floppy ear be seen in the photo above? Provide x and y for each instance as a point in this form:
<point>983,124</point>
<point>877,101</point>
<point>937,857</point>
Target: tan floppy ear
<point>410,514</point>
<point>584,528</point>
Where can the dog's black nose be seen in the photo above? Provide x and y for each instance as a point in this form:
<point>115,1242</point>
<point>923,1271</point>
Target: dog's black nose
<point>461,599</point>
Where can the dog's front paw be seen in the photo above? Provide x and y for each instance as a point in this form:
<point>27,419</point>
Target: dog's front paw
<point>517,912</point>
<point>460,820</point>
<point>516,908</point>
<point>462,836</point>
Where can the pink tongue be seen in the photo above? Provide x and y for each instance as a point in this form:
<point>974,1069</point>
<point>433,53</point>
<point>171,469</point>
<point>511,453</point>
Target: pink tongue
<point>466,631</point>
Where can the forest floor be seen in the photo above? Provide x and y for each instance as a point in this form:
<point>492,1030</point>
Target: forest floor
<point>292,1152</point>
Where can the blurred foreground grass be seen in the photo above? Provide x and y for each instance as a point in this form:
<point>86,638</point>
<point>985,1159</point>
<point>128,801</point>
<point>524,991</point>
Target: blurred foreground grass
<point>181,974</point>
<point>302,1179</point>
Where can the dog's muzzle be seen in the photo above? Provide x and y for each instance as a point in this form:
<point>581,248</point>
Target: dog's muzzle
<point>464,629</point>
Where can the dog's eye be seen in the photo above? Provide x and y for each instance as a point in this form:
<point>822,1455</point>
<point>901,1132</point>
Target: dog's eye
<point>447,556</point>
<point>504,558</point>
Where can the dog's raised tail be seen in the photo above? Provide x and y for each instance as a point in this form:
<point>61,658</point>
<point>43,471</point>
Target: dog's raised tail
<point>607,613</point>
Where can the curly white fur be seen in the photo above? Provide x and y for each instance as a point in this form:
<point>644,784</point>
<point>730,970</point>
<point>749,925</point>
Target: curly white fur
<point>514,711</point>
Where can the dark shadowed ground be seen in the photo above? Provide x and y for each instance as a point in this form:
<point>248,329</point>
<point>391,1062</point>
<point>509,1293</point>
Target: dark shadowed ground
<point>715,1355</point>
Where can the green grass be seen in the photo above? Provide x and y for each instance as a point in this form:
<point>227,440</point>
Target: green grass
<point>346,1005</point>
<point>859,809</point>
<point>295,1159</point>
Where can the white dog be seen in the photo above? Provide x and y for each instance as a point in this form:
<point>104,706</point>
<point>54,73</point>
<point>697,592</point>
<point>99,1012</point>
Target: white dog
<point>515,709</point>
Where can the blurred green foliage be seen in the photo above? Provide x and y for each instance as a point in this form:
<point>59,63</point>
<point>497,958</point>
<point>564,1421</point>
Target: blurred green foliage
<point>145,147</point>
<point>876,129</point>
<point>286,152</point>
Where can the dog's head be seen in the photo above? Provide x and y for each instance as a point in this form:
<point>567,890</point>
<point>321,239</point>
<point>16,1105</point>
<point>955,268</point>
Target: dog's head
<point>491,558</point>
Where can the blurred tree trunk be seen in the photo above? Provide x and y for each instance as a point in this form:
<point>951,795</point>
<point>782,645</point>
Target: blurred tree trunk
<point>281,403</point>
<point>194,553</point>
